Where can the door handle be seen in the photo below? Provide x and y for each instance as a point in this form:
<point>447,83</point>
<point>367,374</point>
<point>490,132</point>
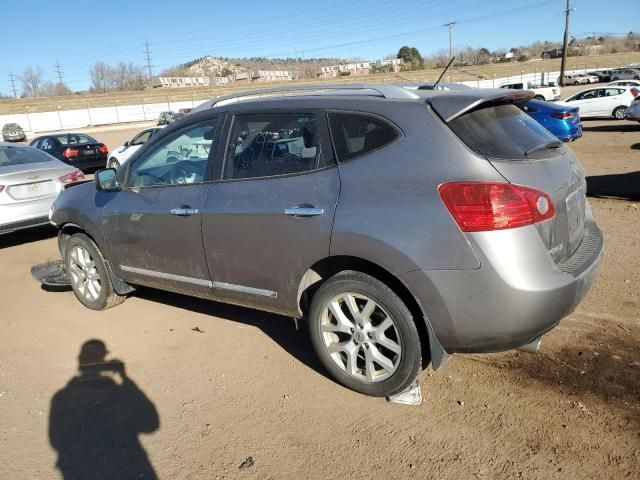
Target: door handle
<point>184,211</point>
<point>303,211</point>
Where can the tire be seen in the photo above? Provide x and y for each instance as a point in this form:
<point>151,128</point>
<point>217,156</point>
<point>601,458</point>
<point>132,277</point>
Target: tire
<point>615,79</point>
<point>397,344</point>
<point>113,163</point>
<point>538,97</point>
<point>95,292</point>
<point>636,77</point>
<point>576,83</point>
<point>619,113</point>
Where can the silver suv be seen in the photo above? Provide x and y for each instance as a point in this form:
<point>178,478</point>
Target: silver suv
<point>404,225</point>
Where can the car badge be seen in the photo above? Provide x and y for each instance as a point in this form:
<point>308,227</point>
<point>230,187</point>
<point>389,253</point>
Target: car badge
<point>35,177</point>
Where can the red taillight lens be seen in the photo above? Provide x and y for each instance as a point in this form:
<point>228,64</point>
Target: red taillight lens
<point>103,149</point>
<point>480,206</point>
<point>74,176</point>
<point>635,92</point>
<point>563,115</point>
<point>70,153</point>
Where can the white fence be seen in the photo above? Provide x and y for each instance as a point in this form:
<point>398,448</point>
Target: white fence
<point>86,117</point>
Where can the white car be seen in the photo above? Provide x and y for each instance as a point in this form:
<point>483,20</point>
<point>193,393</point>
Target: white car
<point>625,74</point>
<point>625,83</point>
<point>121,154</point>
<point>590,78</point>
<point>604,101</point>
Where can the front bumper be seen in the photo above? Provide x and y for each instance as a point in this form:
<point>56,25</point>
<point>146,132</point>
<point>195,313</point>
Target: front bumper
<point>517,294</point>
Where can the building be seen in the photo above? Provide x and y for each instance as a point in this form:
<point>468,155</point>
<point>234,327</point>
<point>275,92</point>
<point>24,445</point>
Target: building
<point>248,77</point>
<point>358,68</point>
<point>553,53</point>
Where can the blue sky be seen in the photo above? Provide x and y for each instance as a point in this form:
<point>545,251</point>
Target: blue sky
<point>77,34</point>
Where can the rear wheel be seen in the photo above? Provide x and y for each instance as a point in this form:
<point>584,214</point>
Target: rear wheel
<point>88,274</point>
<point>364,335</point>
<point>620,113</point>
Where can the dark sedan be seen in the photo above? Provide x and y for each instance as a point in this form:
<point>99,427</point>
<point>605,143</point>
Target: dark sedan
<point>76,149</point>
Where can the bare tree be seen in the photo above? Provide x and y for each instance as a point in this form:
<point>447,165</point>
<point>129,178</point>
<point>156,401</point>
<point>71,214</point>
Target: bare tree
<point>31,82</point>
<point>103,77</point>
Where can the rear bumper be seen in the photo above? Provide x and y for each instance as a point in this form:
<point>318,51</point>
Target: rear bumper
<point>87,163</point>
<point>517,294</point>
<point>19,215</point>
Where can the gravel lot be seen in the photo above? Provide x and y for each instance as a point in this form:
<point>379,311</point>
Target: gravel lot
<point>247,383</point>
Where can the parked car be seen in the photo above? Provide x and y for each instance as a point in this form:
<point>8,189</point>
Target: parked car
<point>541,92</point>
<point>573,79</point>
<point>625,74</point>
<point>76,149</point>
<point>121,154</point>
<point>403,225</point>
<point>607,101</point>
<point>30,180</point>
<point>590,78</point>
<point>12,132</point>
<point>561,120</point>
<point>603,75</point>
<point>633,112</point>
<point>624,83</point>
<point>165,118</point>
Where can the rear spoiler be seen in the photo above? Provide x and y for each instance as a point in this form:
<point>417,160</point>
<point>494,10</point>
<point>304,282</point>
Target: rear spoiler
<point>453,104</point>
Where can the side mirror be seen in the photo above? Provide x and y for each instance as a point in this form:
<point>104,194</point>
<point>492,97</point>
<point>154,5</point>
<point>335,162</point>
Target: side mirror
<point>106,181</point>
<point>126,144</point>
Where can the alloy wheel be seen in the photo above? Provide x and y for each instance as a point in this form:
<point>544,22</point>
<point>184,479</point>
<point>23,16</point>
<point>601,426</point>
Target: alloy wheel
<point>83,273</point>
<point>361,338</point>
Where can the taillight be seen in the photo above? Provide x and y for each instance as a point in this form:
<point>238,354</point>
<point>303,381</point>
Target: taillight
<point>634,92</point>
<point>563,115</point>
<point>74,176</point>
<point>1,188</point>
<point>70,153</point>
<point>103,148</point>
<point>482,206</point>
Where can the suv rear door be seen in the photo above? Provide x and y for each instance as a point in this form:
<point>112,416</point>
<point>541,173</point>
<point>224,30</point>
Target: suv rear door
<point>270,216</point>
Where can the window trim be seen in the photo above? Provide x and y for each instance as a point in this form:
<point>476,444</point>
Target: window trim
<point>329,161</point>
<point>392,124</point>
<point>157,146</point>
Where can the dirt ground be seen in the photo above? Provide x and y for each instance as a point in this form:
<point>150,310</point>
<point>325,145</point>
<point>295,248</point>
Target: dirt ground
<point>198,404</point>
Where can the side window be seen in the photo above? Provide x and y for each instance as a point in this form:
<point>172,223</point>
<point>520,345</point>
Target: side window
<point>180,160</point>
<point>46,144</point>
<point>356,134</point>
<point>36,143</point>
<point>266,145</point>
<point>141,138</point>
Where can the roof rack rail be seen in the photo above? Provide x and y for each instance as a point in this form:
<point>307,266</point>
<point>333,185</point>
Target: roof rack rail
<point>378,90</point>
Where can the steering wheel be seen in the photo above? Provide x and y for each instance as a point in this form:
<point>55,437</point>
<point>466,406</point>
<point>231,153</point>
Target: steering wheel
<point>185,172</point>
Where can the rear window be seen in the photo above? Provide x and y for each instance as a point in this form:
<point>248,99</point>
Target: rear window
<point>20,155</point>
<point>501,131</point>
<point>356,134</point>
<point>11,126</point>
<point>75,139</point>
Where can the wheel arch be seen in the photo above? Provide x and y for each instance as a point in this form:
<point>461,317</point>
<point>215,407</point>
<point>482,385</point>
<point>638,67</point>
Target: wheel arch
<point>324,269</point>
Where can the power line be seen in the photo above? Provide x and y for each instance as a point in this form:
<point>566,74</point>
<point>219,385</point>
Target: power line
<point>12,80</point>
<point>147,53</point>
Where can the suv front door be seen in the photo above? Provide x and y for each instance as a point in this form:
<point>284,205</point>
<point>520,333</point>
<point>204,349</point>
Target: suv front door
<point>153,226</point>
<point>270,217</point>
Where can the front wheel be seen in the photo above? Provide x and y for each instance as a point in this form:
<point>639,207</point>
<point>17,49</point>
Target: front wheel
<point>620,113</point>
<point>88,274</point>
<point>113,163</point>
<point>538,97</point>
<point>364,335</point>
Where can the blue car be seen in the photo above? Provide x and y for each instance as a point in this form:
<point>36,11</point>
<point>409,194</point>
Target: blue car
<point>561,120</point>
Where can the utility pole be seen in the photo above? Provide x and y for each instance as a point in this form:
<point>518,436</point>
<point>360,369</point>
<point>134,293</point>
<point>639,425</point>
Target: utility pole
<point>59,72</point>
<point>565,44</point>
<point>12,79</point>
<point>147,53</point>
<point>450,24</point>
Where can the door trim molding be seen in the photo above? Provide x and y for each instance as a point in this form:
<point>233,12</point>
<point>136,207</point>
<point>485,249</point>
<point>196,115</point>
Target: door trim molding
<point>167,276</point>
<point>245,289</point>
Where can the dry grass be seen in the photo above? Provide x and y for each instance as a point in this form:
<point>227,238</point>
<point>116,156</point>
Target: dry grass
<point>480,72</point>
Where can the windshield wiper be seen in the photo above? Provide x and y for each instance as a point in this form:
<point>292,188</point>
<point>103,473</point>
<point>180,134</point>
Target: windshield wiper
<point>544,146</point>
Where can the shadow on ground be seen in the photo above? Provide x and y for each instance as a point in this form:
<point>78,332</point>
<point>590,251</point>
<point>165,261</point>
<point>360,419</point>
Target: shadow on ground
<point>28,235</point>
<point>95,420</point>
<point>280,329</point>
<point>623,185</point>
<point>613,127</point>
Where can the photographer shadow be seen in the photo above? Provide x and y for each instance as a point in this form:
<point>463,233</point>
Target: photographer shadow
<point>96,418</point>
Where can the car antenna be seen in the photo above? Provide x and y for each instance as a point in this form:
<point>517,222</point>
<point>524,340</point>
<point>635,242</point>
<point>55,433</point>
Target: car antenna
<point>435,85</point>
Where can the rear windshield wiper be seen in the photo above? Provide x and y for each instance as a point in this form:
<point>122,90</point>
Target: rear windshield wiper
<point>544,146</point>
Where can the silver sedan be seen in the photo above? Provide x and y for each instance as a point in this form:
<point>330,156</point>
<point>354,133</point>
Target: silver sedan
<point>30,180</point>
<point>633,111</point>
